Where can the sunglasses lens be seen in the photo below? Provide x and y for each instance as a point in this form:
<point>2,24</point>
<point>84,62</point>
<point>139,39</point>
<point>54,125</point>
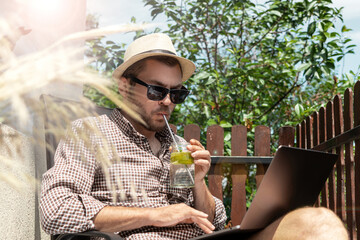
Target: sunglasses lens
<point>178,96</point>
<point>156,93</point>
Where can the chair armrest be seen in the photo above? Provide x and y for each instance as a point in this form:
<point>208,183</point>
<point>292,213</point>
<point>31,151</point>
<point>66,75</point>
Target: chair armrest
<point>93,233</point>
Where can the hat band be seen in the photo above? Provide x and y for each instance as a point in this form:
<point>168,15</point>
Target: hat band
<point>158,51</point>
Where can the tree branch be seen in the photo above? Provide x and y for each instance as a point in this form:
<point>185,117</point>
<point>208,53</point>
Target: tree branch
<point>256,43</point>
<point>282,98</point>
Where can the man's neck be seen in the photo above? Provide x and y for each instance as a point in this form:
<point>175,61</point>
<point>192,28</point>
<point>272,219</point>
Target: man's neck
<point>150,135</point>
<point>154,143</point>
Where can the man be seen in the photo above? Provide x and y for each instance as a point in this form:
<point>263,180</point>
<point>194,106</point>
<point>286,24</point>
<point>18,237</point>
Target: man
<point>118,179</point>
<point>131,195</point>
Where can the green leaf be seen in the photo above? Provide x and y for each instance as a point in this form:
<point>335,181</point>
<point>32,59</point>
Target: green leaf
<point>245,60</point>
<point>211,122</point>
<point>350,78</point>
<point>311,28</point>
<point>311,6</point>
<point>201,75</point>
<point>303,67</point>
<point>345,29</point>
<point>210,80</point>
<point>299,109</point>
<point>227,136</point>
<point>207,111</point>
<point>225,124</point>
<point>274,12</point>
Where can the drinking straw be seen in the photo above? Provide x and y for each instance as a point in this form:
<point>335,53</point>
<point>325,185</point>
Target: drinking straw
<point>177,147</point>
<point>172,135</point>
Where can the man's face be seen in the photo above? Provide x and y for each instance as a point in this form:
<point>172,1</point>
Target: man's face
<point>160,74</point>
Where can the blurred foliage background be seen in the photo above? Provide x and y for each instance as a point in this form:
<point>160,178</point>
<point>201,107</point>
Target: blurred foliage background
<point>257,64</point>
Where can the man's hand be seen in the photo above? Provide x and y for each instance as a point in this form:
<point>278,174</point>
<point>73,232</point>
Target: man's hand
<point>202,159</point>
<point>115,219</point>
<point>180,213</point>
<point>204,201</point>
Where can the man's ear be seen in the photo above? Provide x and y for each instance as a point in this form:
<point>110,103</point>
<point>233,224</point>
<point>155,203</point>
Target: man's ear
<point>123,86</point>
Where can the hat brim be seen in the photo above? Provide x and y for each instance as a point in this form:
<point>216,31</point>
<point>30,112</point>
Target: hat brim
<point>187,66</point>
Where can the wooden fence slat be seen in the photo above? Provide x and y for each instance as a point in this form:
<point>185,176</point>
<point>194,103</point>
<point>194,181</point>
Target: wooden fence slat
<point>340,164</point>
<point>309,133</point>
<point>215,145</point>
<point>303,134</point>
<point>315,134</point>
<point>349,165</point>
<point>286,136</point>
<point>330,134</point>
<point>298,136</point>
<point>261,148</point>
<point>192,131</point>
<point>322,138</point>
<point>357,157</point>
<point>239,174</point>
<point>322,125</point>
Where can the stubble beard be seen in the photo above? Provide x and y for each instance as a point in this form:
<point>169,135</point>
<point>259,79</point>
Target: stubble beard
<point>151,124</point>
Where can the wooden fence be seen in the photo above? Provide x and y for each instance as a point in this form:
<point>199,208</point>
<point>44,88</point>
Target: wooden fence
<point>336,128</point>
<point>239,159</point>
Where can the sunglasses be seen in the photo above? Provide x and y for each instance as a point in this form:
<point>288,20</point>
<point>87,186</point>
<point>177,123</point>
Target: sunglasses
<point>158,93</point>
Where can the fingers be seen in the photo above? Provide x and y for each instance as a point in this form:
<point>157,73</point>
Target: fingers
<point>202,158</point>
<point>204,224</point>
<point>196,145</point>
<point>181,213</point>
<point>201,154</point>
<point>201,220</point>
<point>198,150</point>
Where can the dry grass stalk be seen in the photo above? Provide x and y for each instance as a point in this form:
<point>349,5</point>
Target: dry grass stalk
<point>23,77</point>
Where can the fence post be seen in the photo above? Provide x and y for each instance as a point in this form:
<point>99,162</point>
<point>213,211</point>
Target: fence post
<point>315,142</point>
<point>303,134</point>
<point>262,148</point>
<point>298,136</point>
<point>322,138</point>
<point>286,136</point>
<point>357,157</point>
<point>238,174</point>
<point>215,145</point>
<point>309,133</point>
<point>349,164</point>
<point>315,126</point>
<point>192,131</point>
<point>329,135</point>
<point>340,165</point>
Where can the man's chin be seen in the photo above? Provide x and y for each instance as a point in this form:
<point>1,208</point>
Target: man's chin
<point>155,126</point>
<point>158,127</point>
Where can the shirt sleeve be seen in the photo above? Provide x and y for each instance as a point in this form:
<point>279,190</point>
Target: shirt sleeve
<point>220,214</point>
<point>66,204</point>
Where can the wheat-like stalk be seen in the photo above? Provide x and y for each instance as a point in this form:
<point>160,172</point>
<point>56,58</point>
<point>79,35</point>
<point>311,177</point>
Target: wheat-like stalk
<point>21,78</point>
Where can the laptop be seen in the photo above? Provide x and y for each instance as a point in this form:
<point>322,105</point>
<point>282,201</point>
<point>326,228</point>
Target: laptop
<point>294,179</point>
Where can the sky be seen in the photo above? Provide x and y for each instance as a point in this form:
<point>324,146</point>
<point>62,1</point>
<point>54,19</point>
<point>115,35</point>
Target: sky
<point>120,11</point>
<point>351,20</point>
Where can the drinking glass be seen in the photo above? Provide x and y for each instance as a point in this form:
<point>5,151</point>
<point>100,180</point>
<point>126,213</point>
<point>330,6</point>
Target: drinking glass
<point>182,167</point>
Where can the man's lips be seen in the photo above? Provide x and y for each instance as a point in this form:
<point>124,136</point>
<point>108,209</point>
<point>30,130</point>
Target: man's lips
<point>161,114</point>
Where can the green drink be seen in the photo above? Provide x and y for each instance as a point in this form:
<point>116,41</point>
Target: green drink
<point>181,158</point>
<point>182,167</point>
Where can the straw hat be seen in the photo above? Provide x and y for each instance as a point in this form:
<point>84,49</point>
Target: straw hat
<point>157,44</point>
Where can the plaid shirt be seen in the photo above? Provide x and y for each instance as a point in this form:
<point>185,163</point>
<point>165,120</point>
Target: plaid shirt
<point>129,175</point>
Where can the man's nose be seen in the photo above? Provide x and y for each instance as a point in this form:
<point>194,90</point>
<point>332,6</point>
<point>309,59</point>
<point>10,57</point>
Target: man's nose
<point>166,101</point>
